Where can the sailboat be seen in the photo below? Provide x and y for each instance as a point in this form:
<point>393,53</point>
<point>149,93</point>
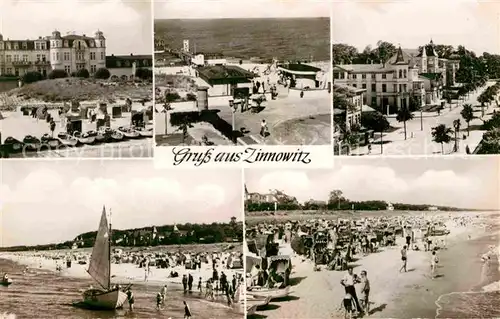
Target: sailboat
<point>107,298</point>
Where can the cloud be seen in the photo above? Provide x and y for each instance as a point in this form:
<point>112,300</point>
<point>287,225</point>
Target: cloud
<point>413,23</point>
<point>56,204</point>
<point>459,184</point>
<point>126,24</point>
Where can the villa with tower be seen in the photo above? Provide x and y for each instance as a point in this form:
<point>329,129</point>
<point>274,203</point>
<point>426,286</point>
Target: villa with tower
<point>65,52</point>
<point>409,75</point>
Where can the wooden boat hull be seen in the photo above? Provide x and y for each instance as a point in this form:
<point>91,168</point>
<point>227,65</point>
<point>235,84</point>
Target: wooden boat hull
<point>87,140</point>
<point>131,134</point>
<point>271,293</point>
<point>104,300</point>
<point>7,282</point>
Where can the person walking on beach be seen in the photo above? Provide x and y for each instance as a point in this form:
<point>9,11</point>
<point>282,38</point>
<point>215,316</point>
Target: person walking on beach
<point>365,292</point>
<point>159,301</point>
<point>434,262</point>
<point>184,282</point>
<point>199,285</point>
<point>348,282</point>
<point>187,311</point>
<point>403,259</point>
<point>130,298</point>
<point>408,240</point>
<point>190,282</point>
<point>163,292</point>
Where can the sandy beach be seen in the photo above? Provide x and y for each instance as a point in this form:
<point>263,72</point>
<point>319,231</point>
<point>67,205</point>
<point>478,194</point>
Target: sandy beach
<point>318,294</point>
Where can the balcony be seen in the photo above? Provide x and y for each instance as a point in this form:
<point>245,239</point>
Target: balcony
<point>42,63</point>
<point>21,63</point>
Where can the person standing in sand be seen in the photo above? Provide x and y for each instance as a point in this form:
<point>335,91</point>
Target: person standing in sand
<point>348,282</point>
<point>434,262</point>
<point>404,259</point>
<point>365,292</point>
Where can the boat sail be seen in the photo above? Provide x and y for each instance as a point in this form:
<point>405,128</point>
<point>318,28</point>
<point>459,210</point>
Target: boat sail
<point>107,298</point>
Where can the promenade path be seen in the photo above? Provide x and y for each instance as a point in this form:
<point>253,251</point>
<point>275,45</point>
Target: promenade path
<point>419,142</point>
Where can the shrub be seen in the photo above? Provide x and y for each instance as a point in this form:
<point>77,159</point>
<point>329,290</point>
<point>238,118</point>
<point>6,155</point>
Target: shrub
<point>144,74</point>
<point>83,73</point>
<point>172,97</point>
<point>102,74</point>
<point>191,97</point>
<point>57,74</point>
<point>32,77</point>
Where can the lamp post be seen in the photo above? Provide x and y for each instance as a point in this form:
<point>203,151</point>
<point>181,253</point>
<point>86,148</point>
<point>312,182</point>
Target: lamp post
<point>233,109</point>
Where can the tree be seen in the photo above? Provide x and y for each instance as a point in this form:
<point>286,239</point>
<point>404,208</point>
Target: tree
<point>32,77</point>
<point>378,122</point>
<point>468,115</point>
<point>83,73</point>
<point>57,74</point>
<point>385,50</point>
<point>343,53</point>
<point>441,134</point>
<point>102,74</point>
<point>336,197</point>
<point>404,115</point>
<point>350,139</point>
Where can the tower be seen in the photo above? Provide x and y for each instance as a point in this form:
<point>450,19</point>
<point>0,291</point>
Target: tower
<point>100,50</point>
<point>56,45</point>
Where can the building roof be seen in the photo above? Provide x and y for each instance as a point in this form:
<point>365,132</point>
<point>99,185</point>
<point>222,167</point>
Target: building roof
<point>365,68</point>
<point>429,50</point>
<point>348,88</point>
<point>219,72</point>
<point>404,56</point>
<point>124,61</point>
<point>299,67</point>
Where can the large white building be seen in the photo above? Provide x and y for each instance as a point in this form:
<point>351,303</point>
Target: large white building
<point>420,74</point>
<point>65,52</point>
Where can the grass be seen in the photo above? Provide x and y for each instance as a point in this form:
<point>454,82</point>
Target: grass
<point>68,89</point>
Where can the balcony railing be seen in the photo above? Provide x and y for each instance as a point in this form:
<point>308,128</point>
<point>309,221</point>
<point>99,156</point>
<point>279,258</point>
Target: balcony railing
<point>21,63</point>
<point>42,63</point>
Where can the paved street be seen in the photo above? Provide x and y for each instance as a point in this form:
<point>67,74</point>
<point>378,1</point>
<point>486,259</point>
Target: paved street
<point>419,142</point>
<point>291,120</point>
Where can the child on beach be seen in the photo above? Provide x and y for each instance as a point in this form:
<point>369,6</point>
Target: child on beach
<point>348,305</point>
<point>159,301</point>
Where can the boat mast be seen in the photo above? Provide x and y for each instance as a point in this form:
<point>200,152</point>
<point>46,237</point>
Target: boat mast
<point>109,250</point>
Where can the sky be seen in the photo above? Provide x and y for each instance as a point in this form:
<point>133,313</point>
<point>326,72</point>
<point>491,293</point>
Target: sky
<point>474,24</point>
<point>470,182</point>
<point>218,9</point>
<point>45,202</point>
<point>126,24</point>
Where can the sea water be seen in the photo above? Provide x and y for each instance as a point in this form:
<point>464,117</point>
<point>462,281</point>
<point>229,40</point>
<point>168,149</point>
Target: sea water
<point>285,39</point>
<point>44,294</point>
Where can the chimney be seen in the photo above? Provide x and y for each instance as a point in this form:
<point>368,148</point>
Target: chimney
<point>131,54</point>
<point>84,35</point>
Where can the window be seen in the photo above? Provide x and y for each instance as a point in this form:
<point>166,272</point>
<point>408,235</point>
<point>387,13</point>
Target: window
<point>8,58</point>
<point>43,46</point>
<point>363,85</point>
<point>363,76</point>
<point>9,71</point>
<point>384,87</point>
<point>93,68</point>
<point>92,55</point>
<point>400,73</point>
<point>58,57</point>
<point>37,46</point>
<point>38,57</point>
<point>374,87</point>
<point>404,74</point>
<point>102,55</point>
<point>145,63</point>
<point>401,88</point>
<point>67,68</point>
<point>25,58</point>
<point>16,58</point>
<point>25,46</point>
<point>354,85</point>
<point>8,48</point>
<point>102,44</point>
<point>384,76</point>
<point>395,89</point>
<point>44,58</point>
<point>66,56</point>
<point>374,101</point>
<point>16,46</point>
<point>66,44</point>
<point>404,87</point>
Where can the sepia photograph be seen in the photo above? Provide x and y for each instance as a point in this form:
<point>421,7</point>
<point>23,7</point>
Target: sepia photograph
<point>377,238</point>
<point>80,239</point>
<point>76,81</point>
<point>242,73</point>
<point>418,83</point>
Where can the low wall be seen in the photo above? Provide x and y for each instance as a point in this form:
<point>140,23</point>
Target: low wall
<point>309,93</point>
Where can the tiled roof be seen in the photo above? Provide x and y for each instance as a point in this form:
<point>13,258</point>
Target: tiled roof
<point>124,61</point>
<point>299,67</point>
<point>217,72</point>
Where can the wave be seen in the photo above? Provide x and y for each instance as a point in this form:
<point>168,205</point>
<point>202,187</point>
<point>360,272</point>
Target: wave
<point>483,303</point>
